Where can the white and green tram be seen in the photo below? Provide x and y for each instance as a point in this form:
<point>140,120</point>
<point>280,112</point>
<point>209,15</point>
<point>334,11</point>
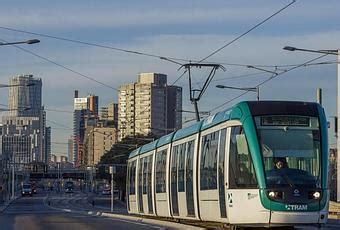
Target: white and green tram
<point>258,164</point>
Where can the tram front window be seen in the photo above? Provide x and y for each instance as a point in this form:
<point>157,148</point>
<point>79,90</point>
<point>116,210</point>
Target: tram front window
<point>291,152</point>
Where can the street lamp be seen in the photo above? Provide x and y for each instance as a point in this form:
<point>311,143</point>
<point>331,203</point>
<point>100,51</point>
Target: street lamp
<point>291,48</point>
<point>331,52</point>
<point>31,41</point>
<point>249,89</point>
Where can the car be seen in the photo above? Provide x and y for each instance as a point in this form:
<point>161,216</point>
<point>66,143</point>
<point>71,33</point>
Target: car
<point>68,190</point>
<point>106,191</point>
<point>69,185</point>
<point>26,190</point>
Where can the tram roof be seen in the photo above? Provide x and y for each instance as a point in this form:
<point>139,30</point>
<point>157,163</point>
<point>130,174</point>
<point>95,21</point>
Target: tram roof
<point>134,153</point>
<point>148,147</point>
<point>181,133</point>
<point>165,139</point>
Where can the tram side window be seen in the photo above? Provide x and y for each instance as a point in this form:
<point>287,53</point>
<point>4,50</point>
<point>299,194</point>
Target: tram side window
<point>132,174</point>
<point>161,171</point>
<point>145,174</point>
<point>241,168</point>
<point>208,165</point>
<point>181,166</point>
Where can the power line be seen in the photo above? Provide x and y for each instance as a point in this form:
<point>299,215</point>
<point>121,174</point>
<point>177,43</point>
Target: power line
<point>169,59</point>
<point>269,79</point>
<point>59,111</point>
<point>64,67</point>
<point>59,124</point>
<point>248,31</point>
<point>59,143</point>
<point>238,37</point>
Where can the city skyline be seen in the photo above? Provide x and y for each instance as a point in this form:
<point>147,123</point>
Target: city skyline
<point>190,30</point>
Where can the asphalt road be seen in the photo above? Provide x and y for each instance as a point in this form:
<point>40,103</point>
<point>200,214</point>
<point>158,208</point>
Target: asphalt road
<point>33,213</point>
<point>75,211</point>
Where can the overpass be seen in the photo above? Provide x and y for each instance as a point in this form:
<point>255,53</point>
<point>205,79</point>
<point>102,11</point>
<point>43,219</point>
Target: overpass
<point>62,174</point>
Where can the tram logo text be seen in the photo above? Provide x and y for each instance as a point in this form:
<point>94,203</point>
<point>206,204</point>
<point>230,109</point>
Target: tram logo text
<point>296,207</point>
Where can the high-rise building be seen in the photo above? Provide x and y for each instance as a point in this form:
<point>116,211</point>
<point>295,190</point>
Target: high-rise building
<point>70,149</point>
<point>174,103</point>
<point>47,144</point>
<point>24,126</point>
<point>98,141</point>
<point>25,97</point>
<point>92,104</point>
<point>85,113</point>
<point>149,106</point>
<point>110,113</point>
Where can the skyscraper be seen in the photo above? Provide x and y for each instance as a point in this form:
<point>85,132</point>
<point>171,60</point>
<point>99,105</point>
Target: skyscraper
<point>24,127</point>
<point>149,106</point>
<point>85,113</point>
<point>47,143</point>
<point>92,104</point>
<point>70,149</point>
<point>25,96</point>
<point>110,113</point>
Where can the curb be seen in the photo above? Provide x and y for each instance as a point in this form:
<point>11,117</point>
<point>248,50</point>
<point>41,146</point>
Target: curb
<point>155,222</point>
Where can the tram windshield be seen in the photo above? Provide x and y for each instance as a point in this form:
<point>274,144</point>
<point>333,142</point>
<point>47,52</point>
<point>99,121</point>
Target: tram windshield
<point>291,150</point>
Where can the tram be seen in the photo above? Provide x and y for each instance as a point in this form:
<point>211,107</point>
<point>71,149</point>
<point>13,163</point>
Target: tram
<point>260,163</point>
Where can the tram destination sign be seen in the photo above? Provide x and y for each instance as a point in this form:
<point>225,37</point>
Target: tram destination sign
<point>285,121</point>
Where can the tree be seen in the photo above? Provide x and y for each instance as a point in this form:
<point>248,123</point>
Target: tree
<point>118,156</point>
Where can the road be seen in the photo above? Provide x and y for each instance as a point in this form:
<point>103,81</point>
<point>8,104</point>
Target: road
<point>75,211</point>
<point>65,212</point>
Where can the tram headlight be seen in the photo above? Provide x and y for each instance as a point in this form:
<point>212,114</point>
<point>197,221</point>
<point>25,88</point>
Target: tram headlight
<point>315,195</point>
<point>275,194</point>
<point>271,194</point>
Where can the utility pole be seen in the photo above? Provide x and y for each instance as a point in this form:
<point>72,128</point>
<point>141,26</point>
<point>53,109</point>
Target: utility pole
<point>112,171</point>
<point>13,176</point>
<point>338,131</point>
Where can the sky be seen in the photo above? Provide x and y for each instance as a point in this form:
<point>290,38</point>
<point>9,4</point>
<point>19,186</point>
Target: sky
<point>185,30</point>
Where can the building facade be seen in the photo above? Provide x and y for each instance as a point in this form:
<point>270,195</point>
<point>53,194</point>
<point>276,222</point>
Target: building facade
<point>85,114</point>
<point>98,141</point>
<point>70,149</point>
<point>149,106</point>
<point>47,144</point>
<point>110,113</point>
<point>23,129</point>
<point>25,96</point>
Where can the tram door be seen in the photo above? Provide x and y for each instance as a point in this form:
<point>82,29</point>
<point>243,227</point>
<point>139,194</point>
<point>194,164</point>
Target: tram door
<point>182,180</point>
<point>146,189</point>
<point>242,195</point>
<point>174,176</point>
<point>212,175</point>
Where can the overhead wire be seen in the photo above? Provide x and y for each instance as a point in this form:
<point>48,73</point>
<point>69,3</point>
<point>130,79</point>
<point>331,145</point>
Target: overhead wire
<point>59,124</point>
<point>269,79</point>
<point>63,66</point>
<point>240,36</point>
<point>170,59</point>
<point>248,31</point>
